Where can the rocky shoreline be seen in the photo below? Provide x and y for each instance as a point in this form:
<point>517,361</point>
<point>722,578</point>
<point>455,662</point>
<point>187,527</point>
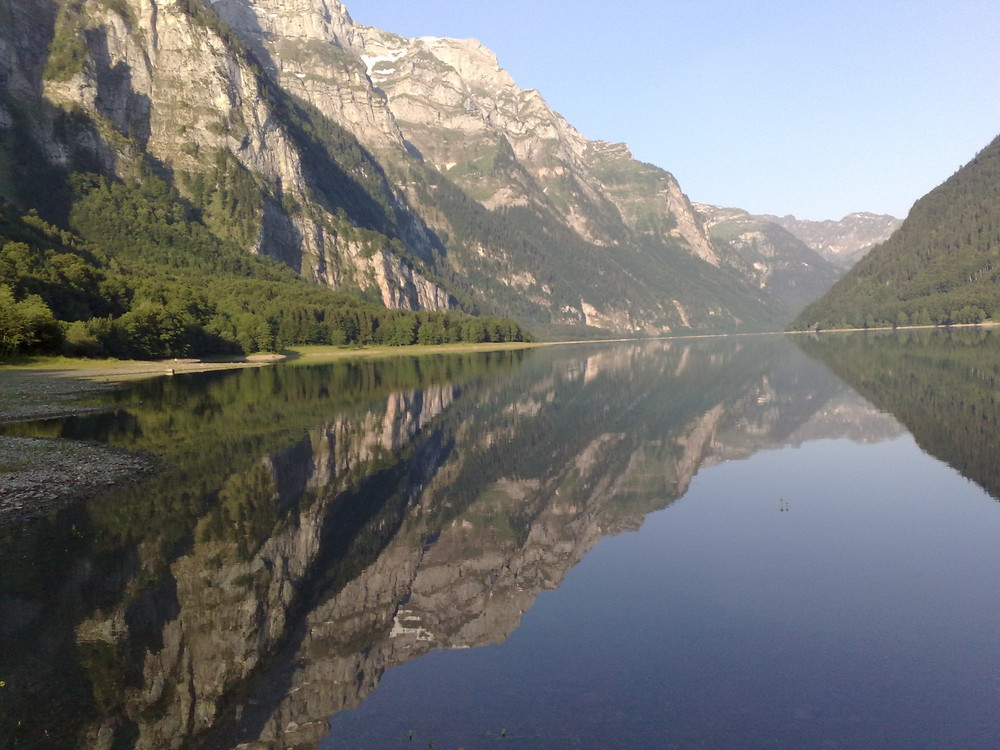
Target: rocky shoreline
<point>38,475</point>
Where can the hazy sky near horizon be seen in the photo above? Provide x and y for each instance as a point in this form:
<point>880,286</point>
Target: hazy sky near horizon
<point>790,107</point>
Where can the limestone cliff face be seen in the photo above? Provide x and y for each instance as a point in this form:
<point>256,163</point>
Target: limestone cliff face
<point>311,49</point>
<point>448,105</point>
<point>162,82</point>
<point>650,199</point>
<point>845,241</point>
<point>414,169</point>
<point>770,256</point>
<point>461,110</point>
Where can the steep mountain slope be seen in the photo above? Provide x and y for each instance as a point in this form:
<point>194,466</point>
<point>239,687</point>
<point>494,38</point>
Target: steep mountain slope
<point>537,205</point>
<point>778,261</point>
<point>129,88</point>
<point>842,242</point>
<point>413,171</point>
<point>941,266</point>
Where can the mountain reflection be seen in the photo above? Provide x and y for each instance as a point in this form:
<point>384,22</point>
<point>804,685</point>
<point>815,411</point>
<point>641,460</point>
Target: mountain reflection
<point>319,525</point>
<point>944,385</point>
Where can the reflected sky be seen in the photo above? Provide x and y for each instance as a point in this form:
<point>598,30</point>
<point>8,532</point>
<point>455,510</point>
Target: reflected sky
<point>828,595</point>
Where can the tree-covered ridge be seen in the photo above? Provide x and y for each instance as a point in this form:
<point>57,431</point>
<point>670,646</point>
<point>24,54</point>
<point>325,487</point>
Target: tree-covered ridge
<point>143,277</point>
<point>941,266</point>
<point>943,385</point>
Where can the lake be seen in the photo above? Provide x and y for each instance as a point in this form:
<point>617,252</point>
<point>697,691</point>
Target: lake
<point>747,542</point>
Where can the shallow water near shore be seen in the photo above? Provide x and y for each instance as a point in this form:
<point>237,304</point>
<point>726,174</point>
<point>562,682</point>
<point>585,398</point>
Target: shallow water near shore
<point>730,543</point>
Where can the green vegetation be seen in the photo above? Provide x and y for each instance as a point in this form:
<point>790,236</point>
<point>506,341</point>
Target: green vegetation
<point>165,248</point>
<point>68,52</point>
<point>142,278</point>
<point>941,267</point>
<point>797,274</point>
<point>145,273</point>
<point>231,200</point>
<point>641,278</point>
<point>26,324</point>
<point>943,385</point>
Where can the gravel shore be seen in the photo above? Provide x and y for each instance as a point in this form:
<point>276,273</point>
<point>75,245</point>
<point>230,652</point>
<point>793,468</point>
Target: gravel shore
<point>38,475</point>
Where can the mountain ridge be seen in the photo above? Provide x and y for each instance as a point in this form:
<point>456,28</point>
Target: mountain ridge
<point>842,241</point>
<point>939,267</point>
<point>411,172</point>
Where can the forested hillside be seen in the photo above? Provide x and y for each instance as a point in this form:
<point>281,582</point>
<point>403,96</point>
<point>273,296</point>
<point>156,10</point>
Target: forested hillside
<point>942,266</point>
<point>140,278</point>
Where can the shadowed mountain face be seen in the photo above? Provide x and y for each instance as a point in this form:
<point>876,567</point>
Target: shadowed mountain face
<point>319,525</point>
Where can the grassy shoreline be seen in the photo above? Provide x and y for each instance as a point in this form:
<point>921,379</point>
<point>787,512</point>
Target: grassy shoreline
<point>117,370</point>
<point>121,370</point>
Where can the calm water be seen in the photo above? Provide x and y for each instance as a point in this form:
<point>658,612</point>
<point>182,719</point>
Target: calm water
<point>746,543</point>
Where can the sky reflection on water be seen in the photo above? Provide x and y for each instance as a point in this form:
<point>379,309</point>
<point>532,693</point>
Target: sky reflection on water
<point>344,554</point>
<point>827,595</point>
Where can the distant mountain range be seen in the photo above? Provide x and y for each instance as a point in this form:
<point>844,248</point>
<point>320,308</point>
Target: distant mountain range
<point>942,265</point>
<point>842,242</point>
<point>410,172</point>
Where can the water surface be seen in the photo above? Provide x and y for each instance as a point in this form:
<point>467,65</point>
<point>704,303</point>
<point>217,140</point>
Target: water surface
<point>716,543</point>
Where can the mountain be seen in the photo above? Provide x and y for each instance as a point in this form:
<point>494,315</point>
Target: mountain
<point>776,260</point>
<point>940,266</point>
<point>842,242</point>
<point>412,172</point>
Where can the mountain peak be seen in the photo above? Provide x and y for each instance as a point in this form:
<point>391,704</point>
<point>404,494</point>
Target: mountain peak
<point>414,171</point>
<point>841,241</point>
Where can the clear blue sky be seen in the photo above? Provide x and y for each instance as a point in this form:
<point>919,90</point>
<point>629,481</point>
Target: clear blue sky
<point>810,108</point>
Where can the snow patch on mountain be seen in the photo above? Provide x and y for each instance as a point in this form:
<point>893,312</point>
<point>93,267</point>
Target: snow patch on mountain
<point>392,56</point>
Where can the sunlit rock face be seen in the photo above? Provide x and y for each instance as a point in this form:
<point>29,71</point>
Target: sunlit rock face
<point>452,101</point>
<point>449,104</point>
<point>845,241</point>
<point>772,256</point>
<point>414,170</point>
<point>165,82</point>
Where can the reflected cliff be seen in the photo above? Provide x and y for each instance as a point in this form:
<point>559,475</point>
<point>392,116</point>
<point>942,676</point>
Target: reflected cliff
<point>319,525</point>
<point>943,385</point>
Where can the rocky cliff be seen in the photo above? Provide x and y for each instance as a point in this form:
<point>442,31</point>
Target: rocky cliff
<point>415,170</point>
<point>773,257</point>
<point>123,87</point>
<point>843,242</point>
